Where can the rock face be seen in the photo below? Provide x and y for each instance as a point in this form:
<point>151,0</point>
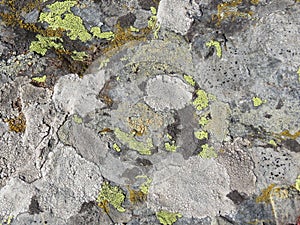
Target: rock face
<point>189,116</point>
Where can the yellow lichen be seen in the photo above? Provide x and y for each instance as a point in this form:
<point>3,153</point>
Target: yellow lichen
<point>39,79</point>
<point>201,135</point>
<point>201,101</point>
<point>298,72</point>
<point>167,218</point>
<point>297,183</point>
<point>44,43</point>
<point>116,147</point>
<point>203,121</point>
<point>207,152</point>
<point>258,101</point>
<point>96,31</point>
<point>189,79</point>
<point>287,134</point>
<point>171,147</point>
<point>217,45</point>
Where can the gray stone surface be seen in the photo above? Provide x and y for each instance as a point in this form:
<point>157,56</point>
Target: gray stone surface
<point>130,119</point>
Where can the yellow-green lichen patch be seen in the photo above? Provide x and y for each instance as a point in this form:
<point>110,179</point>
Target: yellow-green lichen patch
<point>79,56</point>
<point>286,134</point>
<point>77,119</point>
<point>189,79</point>
<point>110,195</point>
<point>61,17</point>
<point>7,221</point>
<point>207,152</point>
<point>265,194</point>
<point>298,72</point>
<point>144,188</point>
<point>167,218</point>
<point>297,184</point>
<point>272,142</point>
<point>152,22</point>
<point>116,147</point>
<point>217,46</point>
<point>96,31</point>
<point>134,29</point>
<point>258,101</point>
<point>201,135</point>
<point>171,147</point>
<point>44,43</point>
<point>201,100</point>
<point>128,139</point>
<point>203,121</point>
<point>39,79</point>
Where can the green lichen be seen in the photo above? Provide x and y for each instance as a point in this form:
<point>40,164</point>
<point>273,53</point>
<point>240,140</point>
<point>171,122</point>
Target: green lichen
<point>112,195</point>
<point>7,221</point>
<point>144,188</point>
<point>134,29</point>
<point>116,147</point>
<point>201,101</point>
<point>44,43</point>
<point>96,31</point>
<point>189,80</point>
<point>39,79</point>
<point>297,184</point>
<point>167,218</point>
<point>203,121</point>
<point>217,45</point>
<point>79,56</point>
<point>258,101</point>
<point>61,17</point>
<point>152,22</point>
<point>201,135</point>
<point>170,147</point>
<point>298,72</point>
<point>272,142</point>
<point>141,147</point>
<point>207,152</point>
<point>77,119</point>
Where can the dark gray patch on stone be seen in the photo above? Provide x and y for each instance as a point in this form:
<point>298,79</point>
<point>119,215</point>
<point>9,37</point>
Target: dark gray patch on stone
<point>127,20</point>
<point>236,197</point>
<point>292,145</point>
<point>146,4</point>
<point>34,207</point>
<point>143,162</point>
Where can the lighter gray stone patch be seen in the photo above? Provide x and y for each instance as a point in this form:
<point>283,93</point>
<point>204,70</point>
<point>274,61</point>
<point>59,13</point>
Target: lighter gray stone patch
<point>195,187</point>
<point>78,95</point>
<point>15,191</point>
<point>173,15</point>
<point>68,181</point>
<point>165,92</point>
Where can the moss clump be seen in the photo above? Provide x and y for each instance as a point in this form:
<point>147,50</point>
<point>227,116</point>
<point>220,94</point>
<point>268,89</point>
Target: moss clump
<point>17,124</point>
<point>217,45</point>
<point>201,101</point>
<point>110,195</point>
<point>167,218</point>
<point>44,43</point>
<point>265,195</point>
<point>141,147</point>
<point>257,101</point>
<point>207,152</point>
<point>136,196</point>
<point>230,10</point>
<point>201,135</point>
<point>189,79</point>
